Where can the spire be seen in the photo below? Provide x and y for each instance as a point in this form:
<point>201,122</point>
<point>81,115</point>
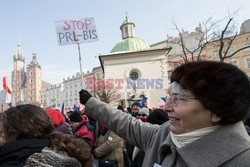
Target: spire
<point>19,54</point>
<point>18,58</point>
<point>127,28</point>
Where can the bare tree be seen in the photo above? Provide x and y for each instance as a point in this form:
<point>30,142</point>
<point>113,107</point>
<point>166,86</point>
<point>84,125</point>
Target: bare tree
<point>110,96</point>
<point>205,35</point>
<point>226,38</point>
<point>210,33</point>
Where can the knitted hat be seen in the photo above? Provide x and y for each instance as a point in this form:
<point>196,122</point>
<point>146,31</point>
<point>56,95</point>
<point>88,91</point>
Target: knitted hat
<point>136,104</point>
<point>75,117</point>
<point>56,116</point>
<point>158,116</point>
<point>144,111</point>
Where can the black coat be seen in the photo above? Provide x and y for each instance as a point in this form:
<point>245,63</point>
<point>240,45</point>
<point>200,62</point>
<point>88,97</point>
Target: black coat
<point>15,153</point>
<point>138,160</point>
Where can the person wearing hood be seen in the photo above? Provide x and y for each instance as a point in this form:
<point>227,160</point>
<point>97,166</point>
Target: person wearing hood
<point>80,128</point>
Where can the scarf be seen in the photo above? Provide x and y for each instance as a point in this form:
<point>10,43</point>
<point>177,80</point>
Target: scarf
<point>186,138</point>
<point>51,157</point>
<point>15,153</point>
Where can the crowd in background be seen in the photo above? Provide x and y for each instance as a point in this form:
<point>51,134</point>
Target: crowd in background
<point>31,136</point>
<point>98,145</point>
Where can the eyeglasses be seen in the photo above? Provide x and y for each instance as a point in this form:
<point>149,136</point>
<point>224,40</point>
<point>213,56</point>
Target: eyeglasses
<point>143,115</point>
<point>177,100</point>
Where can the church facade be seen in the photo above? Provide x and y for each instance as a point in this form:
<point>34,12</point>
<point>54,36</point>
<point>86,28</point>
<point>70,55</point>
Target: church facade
<point>26,81</point>
<point>133,69</point>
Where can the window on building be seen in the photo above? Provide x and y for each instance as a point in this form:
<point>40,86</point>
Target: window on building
<point>31,73</point>
<point>133,75</point>
<point>247,44</point>
<point>75,85</point>
<point>66,94</point>
<point>215,53</point>
<point>248,62</point>
<point>70,86</point>
<point>126,31</point>
<point>230,51</point>
<point>31,81</point>
<point>70,93</point>
<point>233,62</point>
<point>75,92</point>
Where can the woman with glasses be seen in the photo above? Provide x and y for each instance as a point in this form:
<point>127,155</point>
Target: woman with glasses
<point>206,106</point>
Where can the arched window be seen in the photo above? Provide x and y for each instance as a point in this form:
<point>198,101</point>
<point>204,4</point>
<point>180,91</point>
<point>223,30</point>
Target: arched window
<point>134,75</point>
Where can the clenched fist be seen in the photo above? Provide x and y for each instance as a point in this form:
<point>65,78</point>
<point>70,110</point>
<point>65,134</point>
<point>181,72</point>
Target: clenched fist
<point>84,96</point>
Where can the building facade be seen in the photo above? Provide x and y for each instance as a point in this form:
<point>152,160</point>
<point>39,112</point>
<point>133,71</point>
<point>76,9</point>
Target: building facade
<point>242,58</point>
<point>72,86</point>
<point>210,52</point>
<point>26,83</point>
<point>134,69</point>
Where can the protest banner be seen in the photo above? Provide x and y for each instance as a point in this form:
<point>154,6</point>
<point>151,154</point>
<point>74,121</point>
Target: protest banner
<point>76,31</point>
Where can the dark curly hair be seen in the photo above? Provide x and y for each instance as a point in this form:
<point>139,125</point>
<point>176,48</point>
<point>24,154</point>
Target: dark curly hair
<point>77,148</point>
<point>32,122</point>
<point>220,87</point>
<point>27,122</point>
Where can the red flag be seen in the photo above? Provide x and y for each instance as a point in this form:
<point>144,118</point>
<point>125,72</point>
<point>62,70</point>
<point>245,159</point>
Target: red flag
<point>6,85</point>
<point>9,98</point>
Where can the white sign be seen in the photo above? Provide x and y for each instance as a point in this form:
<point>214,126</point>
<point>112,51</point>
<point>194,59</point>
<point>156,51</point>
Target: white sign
<point>76,31</point>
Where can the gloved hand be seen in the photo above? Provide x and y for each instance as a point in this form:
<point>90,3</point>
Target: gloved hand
<point>84,96</point>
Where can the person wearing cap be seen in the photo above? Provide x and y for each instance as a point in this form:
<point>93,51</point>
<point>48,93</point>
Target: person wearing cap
<point>80,128</point>
<point>135,108</point>
<point>137,156</point>
<point>59,121</point>
<point>143,114</point>
<point>208,102</point>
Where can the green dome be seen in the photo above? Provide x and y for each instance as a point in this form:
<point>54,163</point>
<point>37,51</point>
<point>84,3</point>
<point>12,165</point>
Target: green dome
<point>130,45</point>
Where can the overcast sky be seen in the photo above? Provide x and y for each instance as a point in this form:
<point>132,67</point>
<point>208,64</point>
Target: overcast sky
<point>35,20</point>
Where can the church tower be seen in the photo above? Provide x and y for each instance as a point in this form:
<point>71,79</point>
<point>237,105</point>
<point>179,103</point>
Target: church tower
<point>18,77</point>
<point>128,29</point>
<point>34,81</point>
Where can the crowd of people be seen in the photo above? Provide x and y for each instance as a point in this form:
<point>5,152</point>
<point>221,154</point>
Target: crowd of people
<point>205,122</point>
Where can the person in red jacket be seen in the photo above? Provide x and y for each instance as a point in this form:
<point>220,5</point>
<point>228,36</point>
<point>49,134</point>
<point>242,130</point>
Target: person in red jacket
<point>81,129</point>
